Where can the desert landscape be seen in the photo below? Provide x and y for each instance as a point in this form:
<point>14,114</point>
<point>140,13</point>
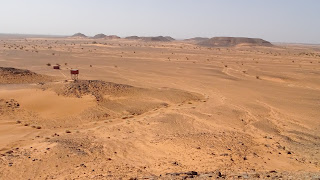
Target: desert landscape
<point>158,108</point>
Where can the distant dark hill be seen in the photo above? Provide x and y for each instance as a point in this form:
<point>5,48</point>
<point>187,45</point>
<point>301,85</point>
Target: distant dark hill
<point>233,41</point>
<point>103,36</point>
<point>197,39</point>
<point>112,37</point>
<point>79,35</point>
<point>156,39</point>
<point>152,39</point>
<point>99,36</point>
<point>133,37</point>
<point>170,38</point>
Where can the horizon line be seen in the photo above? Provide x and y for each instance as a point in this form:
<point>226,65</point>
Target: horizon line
<point>57,35</point>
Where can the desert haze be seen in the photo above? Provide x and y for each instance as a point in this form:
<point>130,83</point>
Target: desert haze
<point>158,108</point>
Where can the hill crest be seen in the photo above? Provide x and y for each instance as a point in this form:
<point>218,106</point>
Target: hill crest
<point>234,41</point>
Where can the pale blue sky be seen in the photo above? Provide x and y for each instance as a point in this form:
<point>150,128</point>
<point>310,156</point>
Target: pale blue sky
<point>273,20</point>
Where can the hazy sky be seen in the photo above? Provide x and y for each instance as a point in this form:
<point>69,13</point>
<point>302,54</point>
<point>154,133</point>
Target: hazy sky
<point>273,20</point>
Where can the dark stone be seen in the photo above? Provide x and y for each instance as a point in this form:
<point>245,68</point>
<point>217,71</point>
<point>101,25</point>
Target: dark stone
<point>192,173</point>
<point>9,152</point>
<point>175,163</point>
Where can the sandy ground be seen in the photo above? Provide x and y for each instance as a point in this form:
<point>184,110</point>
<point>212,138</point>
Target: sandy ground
<point>160,111</point>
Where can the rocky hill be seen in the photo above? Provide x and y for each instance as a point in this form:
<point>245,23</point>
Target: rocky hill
<point>152,39</point>
<point>170,38</point>
<point>233,41</point>
<point>133,38</point>
<point>9,75</point>
<point>112,37</point>
<point>79,35</point>
<point>103,36</point>
<point>99,36</point>
<point>197,39</point>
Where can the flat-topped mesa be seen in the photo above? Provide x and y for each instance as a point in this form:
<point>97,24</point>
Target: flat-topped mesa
<point>234,41</point>
<point>152,39</point>
<point>156,39</point>
<point>79,35</point>
<point>103,36</point>
<point>133,37</point>
<point>112,37</point>
<point>197,39</point>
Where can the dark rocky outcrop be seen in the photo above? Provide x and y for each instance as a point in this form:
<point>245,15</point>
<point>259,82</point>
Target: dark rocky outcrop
<point>99,36</point>
<point>197,39</point>
<point>152,39</point>
<point>233,41</point>
<point>112,37</point>
<point>133,37</point>
<point>79,35</point>
<point>9,75</point>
